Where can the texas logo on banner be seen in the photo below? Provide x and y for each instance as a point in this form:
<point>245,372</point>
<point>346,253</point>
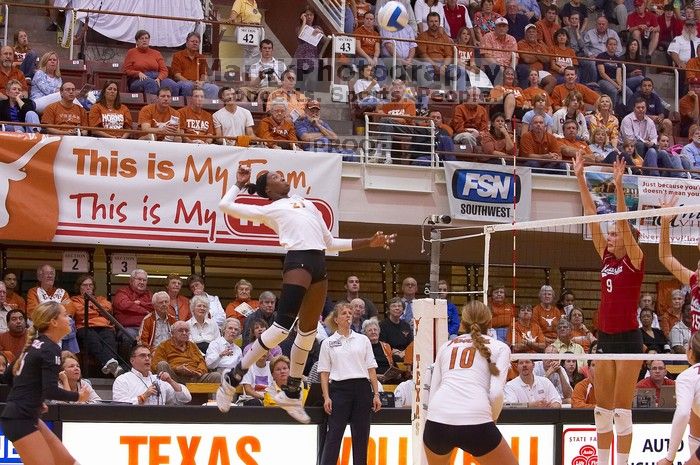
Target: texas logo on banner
<point>142,193</point>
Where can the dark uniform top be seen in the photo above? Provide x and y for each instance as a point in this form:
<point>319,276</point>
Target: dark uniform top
<point>37,380</point>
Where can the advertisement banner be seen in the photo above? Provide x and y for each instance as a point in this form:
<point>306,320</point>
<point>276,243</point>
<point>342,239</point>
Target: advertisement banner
<point>141,193</point>
<point>490,193</point>
<point>649,445</point>
<point>195,444</point>
<point>391,445</point>
<point>643,193</point>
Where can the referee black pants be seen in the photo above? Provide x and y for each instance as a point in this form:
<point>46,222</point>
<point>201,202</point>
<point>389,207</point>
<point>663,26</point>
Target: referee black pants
<point>352,403</point>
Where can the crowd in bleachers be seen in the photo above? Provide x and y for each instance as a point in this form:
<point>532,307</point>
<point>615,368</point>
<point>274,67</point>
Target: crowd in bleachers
<point>181,338</point>
<point>510,55</point>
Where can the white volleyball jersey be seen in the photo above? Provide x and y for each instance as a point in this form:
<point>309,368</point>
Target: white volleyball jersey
<point>297,222</point>
<point>462,389</point>
<point>687,399</point>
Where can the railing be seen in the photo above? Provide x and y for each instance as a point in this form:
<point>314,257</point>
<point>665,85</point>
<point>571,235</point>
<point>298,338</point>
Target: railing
<point>391,132</point>
<point>333,10</point>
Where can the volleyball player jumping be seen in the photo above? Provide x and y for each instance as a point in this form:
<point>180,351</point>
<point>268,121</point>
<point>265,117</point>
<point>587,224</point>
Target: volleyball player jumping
<point>618,330</point>
<point>305,236</point>
<point>466,394</point>
<point>35,379</point>
<point>687,277</point>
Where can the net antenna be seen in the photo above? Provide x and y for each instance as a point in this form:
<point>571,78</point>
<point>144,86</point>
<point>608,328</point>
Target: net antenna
<point>560,223</point>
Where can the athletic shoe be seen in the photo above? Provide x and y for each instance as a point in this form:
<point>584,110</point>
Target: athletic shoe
<point>225,392</point>
<point>111,368</point>
<point>293,407</point>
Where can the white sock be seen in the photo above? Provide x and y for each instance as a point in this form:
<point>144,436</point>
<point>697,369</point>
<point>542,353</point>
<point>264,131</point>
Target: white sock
<point>621,459</point>
<point>603,456</point>
<point>303,342</point>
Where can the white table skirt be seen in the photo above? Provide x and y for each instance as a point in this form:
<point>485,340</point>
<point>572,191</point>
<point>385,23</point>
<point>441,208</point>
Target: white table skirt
<point>164,33</point>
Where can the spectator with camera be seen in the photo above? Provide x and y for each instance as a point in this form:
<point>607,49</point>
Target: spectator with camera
<point>141,387</point>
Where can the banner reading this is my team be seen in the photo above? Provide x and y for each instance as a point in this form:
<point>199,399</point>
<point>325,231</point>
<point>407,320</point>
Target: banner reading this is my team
<point>644,193</point>
<point>142,193</point>
<point>491,193</point>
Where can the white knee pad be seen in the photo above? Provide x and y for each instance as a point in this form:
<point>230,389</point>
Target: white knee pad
<point>603,420</point>
<point>623,421</point>
<point>305,341</point>
<point>273,336</point>
<point>693,443</point>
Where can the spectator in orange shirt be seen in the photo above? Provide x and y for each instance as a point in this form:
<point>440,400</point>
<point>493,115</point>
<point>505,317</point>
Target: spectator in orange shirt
<point>160,119</point>
<point>8,72</point>
<point>13,340</point>
<point>538,143</point>
<point>109,113</point>
<point>13,299</point>
<point>497,141</point>
<point>179,304</point>
<point>584,395</point>
<point>689,107</point>
<point>46,276</point>
<point>508,98</point>
<point>503,312</point>
<point>367,48</point>
<point>181,358</point>
<point>532,56</point>
<point>97,337</point>
<point>65,113</point>
<point>145,67</point>
<point>189,68</point>
<point>526,336</point>
<point>278,126</point>
<point>243,306</point>
<point>547,26</point>
<point>196,121</point>
<point>436,55</point>
<point>564,56</point>
<point>562,90</point>
<point>575,145</point>
<point>470,119</point>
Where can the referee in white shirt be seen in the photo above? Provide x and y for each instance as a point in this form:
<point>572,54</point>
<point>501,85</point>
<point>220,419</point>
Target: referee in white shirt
<point>349,384</point>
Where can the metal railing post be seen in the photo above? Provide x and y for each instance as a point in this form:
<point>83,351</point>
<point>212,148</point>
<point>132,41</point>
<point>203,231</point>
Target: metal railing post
<point>433,154</point>
<point>73,17</point>
<point>624,84</point>
<point>7,24</point>
<point>675,93</point>
<point>367,139</point>
<point>330,89</point>
<point>456,70</point>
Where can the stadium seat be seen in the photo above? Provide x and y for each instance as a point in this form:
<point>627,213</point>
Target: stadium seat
<point>75,71</point>
<point>107,71</point>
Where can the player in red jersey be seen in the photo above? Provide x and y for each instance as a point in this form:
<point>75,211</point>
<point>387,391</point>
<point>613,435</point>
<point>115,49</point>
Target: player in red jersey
<point>620,284</point>
<point>687,277</point>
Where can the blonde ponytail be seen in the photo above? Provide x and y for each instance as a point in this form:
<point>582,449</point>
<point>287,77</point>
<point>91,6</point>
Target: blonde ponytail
<point>32,334</point>
<point>41,319</point>
<point>476,317</point>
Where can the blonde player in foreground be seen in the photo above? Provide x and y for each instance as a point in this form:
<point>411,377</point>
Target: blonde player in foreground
<point>621,276</point>
<point>466,394</point>
<point>687,402</point>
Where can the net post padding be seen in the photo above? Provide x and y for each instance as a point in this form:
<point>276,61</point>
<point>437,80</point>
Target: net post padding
<point>429,333</point>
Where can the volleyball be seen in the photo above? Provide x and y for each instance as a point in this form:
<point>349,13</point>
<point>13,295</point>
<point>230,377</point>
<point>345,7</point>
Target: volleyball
<point>393,16</point>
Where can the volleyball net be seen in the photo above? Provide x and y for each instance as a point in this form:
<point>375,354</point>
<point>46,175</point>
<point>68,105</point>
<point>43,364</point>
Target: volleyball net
<point>566,253</point>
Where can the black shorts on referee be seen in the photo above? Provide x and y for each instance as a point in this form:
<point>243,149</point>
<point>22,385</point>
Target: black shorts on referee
<point>477,440</point>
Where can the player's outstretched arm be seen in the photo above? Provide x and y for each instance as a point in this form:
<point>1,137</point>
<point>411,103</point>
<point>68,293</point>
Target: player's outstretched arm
<point>666,257</point>
<point>588,205</point>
